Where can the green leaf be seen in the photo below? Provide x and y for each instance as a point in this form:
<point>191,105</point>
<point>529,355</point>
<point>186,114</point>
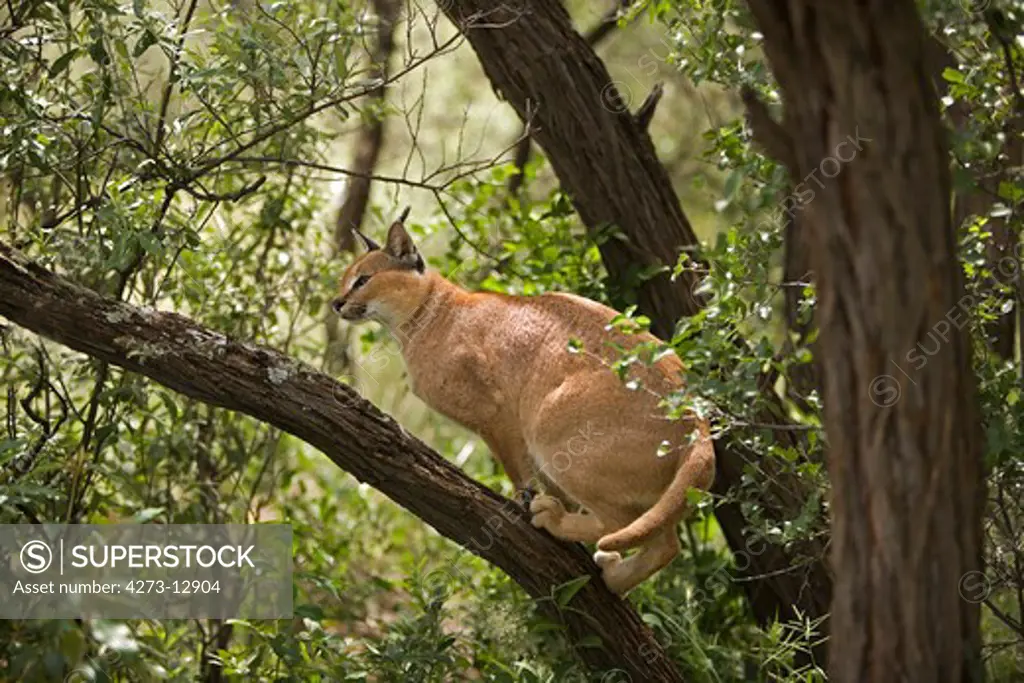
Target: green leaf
<point>565,592</point>
<point>169,403</point>
<point>104,432</point>
<point>732,183</point>
<point>314,612</point>
<point>146,515</point>
<point>73,645</point>
<point>151,243</point>
<point>952,75</point>
<point>144,43</point>
<point>63,62</point>
<point>98,52</point>
<point>652,620</point>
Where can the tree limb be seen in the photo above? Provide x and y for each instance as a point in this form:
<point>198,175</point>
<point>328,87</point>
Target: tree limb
<point>645,112</point>
<point>604,28</point>
<point>269,386</point>
<point>767,132</point>
<point>612,171</point>
<point>906,500</point>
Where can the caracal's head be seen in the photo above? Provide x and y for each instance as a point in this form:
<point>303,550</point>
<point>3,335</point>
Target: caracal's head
<point>385,283</point>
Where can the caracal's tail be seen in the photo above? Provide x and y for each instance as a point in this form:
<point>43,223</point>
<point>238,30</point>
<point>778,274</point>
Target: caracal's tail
<point>697,470</point>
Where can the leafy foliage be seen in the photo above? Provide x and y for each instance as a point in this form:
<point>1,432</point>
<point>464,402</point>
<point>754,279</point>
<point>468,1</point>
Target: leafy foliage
<point>177,156</point>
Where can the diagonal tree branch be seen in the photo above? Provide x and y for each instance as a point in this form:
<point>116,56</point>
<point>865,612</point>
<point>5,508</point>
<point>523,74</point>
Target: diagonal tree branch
<point>258,381</point>
<point>767,132</point>
<point>594,37</point>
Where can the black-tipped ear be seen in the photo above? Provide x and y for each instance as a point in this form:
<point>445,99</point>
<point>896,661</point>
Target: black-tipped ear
<point>400,244</point>
<point>369,244</point>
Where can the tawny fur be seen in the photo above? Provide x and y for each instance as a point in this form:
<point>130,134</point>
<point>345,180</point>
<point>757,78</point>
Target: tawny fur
<point>501,366</point>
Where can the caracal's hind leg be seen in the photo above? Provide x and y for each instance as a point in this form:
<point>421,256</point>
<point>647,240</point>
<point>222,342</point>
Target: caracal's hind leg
<point>622,575</point>
<point>549,513</point>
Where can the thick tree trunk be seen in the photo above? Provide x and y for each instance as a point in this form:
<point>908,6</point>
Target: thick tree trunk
<point>900,405</point>
<point>606,161</point>
<point>361,440</point>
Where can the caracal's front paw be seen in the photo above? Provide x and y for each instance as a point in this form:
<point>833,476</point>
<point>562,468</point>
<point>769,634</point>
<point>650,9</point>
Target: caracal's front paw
<point>604,559</point>
<point>612,572</point>
<point>547,512</point>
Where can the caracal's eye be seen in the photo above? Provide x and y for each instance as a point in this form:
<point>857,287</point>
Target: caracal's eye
<point>360,281</point>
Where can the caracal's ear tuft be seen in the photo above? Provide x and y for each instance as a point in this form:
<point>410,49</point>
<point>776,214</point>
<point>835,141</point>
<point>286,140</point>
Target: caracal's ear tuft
<point>368,244</point>
<point>400,244</point>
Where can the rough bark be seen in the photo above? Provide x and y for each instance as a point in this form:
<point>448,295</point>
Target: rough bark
<point>276,389</point>
<point>606,161</point>
<point>905,449</point>
<point>600,153</point>
<point>593,38</point>
<point>796,269</point>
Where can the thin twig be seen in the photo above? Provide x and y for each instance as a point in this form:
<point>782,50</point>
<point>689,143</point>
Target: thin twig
<point>172,74</point>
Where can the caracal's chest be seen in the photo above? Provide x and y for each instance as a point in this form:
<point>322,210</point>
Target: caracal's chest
<point>474,363</point>
<point>456,378</point>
